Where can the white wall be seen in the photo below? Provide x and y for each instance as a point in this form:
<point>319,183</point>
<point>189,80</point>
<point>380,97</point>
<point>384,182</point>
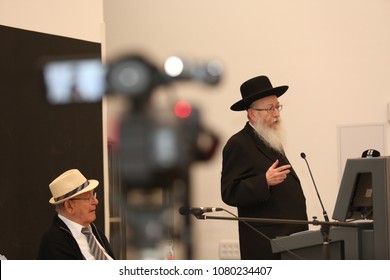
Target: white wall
<point>69,18</point>
<point>333,54</point>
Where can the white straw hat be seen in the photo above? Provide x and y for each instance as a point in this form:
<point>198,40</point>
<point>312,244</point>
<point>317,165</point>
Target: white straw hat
<point>69,184</point>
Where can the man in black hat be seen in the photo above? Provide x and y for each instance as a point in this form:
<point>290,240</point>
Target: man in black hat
<point>257,177</point>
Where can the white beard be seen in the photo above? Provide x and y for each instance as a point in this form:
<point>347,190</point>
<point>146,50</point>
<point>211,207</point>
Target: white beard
<point>273,137</point>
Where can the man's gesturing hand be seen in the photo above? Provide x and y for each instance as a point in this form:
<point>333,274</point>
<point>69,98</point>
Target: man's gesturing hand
<point>276,175</point>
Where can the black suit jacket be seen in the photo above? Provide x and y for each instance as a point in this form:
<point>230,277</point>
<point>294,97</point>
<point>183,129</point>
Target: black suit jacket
<point>246,159</point>
<point>58,243</point>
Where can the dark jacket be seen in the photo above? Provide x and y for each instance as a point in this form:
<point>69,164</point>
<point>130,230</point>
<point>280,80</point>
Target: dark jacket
<point>58,243</point>
<point>246,159</point>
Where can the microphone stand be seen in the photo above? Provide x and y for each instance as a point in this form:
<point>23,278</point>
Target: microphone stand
<point>325,226</point>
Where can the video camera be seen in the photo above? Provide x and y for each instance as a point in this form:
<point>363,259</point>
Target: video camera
<point>154,147</point>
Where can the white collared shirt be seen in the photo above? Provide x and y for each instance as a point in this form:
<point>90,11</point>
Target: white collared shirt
<point>81,239</point>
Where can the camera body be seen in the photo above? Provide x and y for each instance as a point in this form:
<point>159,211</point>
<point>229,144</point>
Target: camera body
<point>153,148</point>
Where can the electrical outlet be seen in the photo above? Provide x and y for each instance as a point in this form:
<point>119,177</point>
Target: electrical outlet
<point>229,249</point>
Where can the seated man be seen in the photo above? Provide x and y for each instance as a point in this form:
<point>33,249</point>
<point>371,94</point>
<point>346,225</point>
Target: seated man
<point>72,235</point>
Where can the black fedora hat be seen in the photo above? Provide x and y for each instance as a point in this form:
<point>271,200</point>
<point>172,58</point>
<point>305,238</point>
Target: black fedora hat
<point>256,88</point>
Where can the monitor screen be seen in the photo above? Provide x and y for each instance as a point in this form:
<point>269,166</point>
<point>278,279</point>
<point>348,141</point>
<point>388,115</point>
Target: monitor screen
<point>360,206</point>
<point>74,80</point>
<point>362,179</point>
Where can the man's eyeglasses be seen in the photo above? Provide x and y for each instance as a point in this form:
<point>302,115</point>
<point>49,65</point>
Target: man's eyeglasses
<point>271,109</point>
<point>90,199</point>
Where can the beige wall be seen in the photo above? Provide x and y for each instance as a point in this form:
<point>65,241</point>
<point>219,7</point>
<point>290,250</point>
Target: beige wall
<point>333,54</point>
<point>70,18</point>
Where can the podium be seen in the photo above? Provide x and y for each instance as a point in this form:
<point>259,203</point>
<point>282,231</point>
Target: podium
<point>364,193</point>
<point>346,244</point>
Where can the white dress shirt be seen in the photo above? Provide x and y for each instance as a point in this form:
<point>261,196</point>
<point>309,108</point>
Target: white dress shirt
<point>81,239</point>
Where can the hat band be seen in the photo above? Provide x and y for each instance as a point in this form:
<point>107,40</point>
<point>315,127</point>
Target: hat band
<point>72,192</point>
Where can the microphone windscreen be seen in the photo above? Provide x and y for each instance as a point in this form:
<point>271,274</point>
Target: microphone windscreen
<point>184,211</point>
<point>371,153</point>
<point>303,155</point>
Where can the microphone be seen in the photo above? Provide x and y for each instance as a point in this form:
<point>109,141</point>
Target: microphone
<point>196,211</point>
<point>370,153</point>
<point>318,194</point>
